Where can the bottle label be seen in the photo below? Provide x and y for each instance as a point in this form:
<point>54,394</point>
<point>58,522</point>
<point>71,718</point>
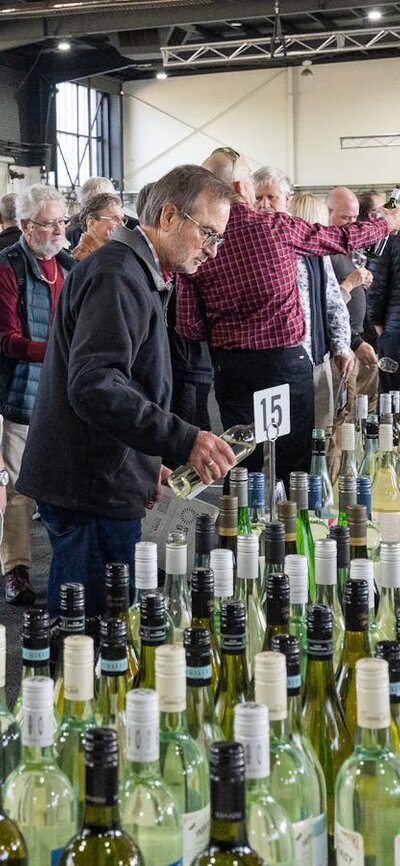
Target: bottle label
<point>152,635</point>
<point>196,831</point>
<point>256,755</point>
<point>200,673</point>
<point>319,649</point>
<point>114,666</point>
<point>227,531</point>
<point>72,624</point>
<point>35,655</point>
<point>232,644</point>
<point>394,690</point>
<point>294,683</point>
<point>349,847</point>
<point>302,832</point>
<point>319,841</point>
<point>37,727</point>
<point>359,542</point>
<point>142,742</point>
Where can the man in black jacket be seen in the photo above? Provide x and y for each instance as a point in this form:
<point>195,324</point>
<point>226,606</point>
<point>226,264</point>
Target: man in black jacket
<point>102,425</point>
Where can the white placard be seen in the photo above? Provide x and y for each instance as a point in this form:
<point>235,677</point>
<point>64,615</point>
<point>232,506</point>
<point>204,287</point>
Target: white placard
<point>272,413</point>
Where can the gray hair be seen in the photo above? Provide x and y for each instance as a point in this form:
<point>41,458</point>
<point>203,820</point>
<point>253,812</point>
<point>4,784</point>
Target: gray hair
<point>95,186</point>
<point>181,187</point>
<point>96,205</point>
<point>267,173</point>
<point>33,198</point>
<point>8,207</point>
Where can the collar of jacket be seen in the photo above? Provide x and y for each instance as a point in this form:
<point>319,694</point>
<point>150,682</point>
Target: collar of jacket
<point>137,243</point>
<point>64,257</point>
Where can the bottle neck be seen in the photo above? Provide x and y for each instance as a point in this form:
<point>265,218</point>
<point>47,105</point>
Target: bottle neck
<point>101,803</point>
<point>348,463</point>
<point>173,720</point>
<point>355,642</point>
<point>320,676</point>
<point>244,524</point>
<point>78,710</point>
<point>374,738</point>
<point>234,677</point>
<point>228,825</point>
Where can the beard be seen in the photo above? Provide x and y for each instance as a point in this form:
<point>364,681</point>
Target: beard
<point>47,249</point>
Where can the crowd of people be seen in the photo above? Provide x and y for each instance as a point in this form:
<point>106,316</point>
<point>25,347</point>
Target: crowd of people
<point>228,274</point>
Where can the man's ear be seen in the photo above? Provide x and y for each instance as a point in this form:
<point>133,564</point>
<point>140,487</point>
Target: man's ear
<point>168,213</point>
<point>237,187</point>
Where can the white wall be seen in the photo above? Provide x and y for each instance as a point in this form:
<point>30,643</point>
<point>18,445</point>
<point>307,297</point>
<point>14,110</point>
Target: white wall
<point>276,117</point>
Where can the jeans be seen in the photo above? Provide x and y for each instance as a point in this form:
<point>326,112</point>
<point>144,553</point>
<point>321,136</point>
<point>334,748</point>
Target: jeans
<point>82,545</point>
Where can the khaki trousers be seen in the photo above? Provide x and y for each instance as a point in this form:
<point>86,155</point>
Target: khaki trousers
<point>16,545</point>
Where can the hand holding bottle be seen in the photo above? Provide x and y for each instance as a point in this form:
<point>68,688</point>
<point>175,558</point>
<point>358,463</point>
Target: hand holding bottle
<point>392,217</point>
<point>211,456</point>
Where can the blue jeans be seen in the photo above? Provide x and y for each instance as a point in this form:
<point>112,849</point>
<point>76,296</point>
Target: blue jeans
<point>82,546</point>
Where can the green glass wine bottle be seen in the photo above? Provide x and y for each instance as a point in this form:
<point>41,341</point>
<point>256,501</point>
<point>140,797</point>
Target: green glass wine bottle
<point>390,651</point>
<point>13,850</point>
<point>205,538</point>
<point>341,534</point>
<point>146,580</point>
<point>363,569</point>
<point>275,547</point>
<point>202,598</point>
<point>276,607</point>
<point>10,734</point>
<point>227,521</point>
<point>117,605</point>
<point>304,541</point>
<point>70,621</point>
<point>101,838</point>
<point>287,512</point>
<point>348,459</point>
<point>152,635</point>
<point>239,486</point>
<point>355,646</point>
<point>297,571</point>
<point>221,562</point>
<point>35,651</point>
<point>326,590</point>
<point>367,796</point>
<point>371,446</point>
<point>202,724</point>
<point>114,682</point>
<point>389,601</point>
<point>234,681</point>
<point>257,513</point>
<point>228,844</point>
<point>347,489</point>
<point>176,590</point>
<point>319,467</point>
<point>248,589</point>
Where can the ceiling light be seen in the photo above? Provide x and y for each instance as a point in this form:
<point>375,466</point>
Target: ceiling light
<point>306,64</point>
<point>64,45</point>
<point>374,14</point>
<point>161,76</point>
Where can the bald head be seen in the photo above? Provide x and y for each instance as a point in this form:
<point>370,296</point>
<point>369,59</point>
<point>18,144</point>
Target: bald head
<point>234,169</point>
<point>343,206</point>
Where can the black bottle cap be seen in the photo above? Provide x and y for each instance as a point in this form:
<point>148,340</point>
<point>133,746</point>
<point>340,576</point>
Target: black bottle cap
<point>202,592</point>
<point>197,644</point>
<point>204,533</point>
<point>319,622</point>
<point>372,429</point>
<point>101,747</point>
<point>152,608</point>
<point>341,534</point>
<point>275,541</point>
<point>356,605</point>
<point>72,599</point>
<point>113,630</point>
<point>289,645</point>
<point>277,599</point>
<point>226,760</point>
<point>36,624</point>
<point>117,587</point>
<point>233,617</point>
<point>117,571</point>
<point>390,650</point>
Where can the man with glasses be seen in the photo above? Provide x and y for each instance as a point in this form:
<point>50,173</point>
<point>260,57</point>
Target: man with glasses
<point>32,272</point>
<point>102,430</point>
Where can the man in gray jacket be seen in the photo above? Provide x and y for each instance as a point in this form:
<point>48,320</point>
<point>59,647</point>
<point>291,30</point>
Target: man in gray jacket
<point>101,425</point>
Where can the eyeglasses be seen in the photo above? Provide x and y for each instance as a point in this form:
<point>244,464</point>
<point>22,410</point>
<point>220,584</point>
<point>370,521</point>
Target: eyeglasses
<point>232,154</point>
<point>118,221</point>
<point>51,224</point>
<point>210,238</point>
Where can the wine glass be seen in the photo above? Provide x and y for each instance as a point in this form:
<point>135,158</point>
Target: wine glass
<point>388,365</point>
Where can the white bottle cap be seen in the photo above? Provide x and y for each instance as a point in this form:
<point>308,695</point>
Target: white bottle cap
<point>37,711</point>
<point>361,406</point>
<point>270,683</point>
<point>171,678</point>
<point>247,556</point>
<point>373,701</point>
<point>78,667</point>
<point>385,404</point>
<point>348,437</point>
<point>176,557</point>
<point>296,568</point>
<point>142,725</point>
<point>363,569</point>
<point>221,562</point>
<point>385,437</point>
<point>325,550</point>
<point>2,656</point>
<point>390,564</point>
<point>251,729</point>
<point>146,565</point>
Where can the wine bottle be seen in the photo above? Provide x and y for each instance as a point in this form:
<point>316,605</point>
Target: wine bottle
<point>228,844</point>
<point>114,682</point>
<point>35,650</point>
<point>276,607</point>
<point>326,591</point>
<point>319,467</point>
<point>148,810</point>
<point>374,251</point>
<point>117,605</point>
<point>357,521</point>
<point>205,536</point>
<point>304,541</point>
<point>257,513</point>
<point>297,571</point>
<point>395,395</point>
<point>38,795</point>
<point>367,797</point>
<point>70,621</point>
<point>355,646</point>
<point>389,602</point>
<point>152,635</point>
<point>319,527</point>
<point>347,487</point>
<point>385,409</point>
<point>239,486</point>
<point>79,713</point>
<point>269,829</point>
<point>385,489</point>
<point>364,497</point>
<point>289,646</point>
<point>367,465</point>
<point>361,414</point>
<point>290,781</point>
<point>322,714</point>
<point>200,710</point>
<point>185,482</point>
<point>348,460</point>
<point>248,589</point>
<point>101,838</point>
<point>275,546</point>
<point>202,595</point>
<point>146,580</point>
<point>227,525</point>
<point>183,763</point>
<point>234,681</point>
<point>363,569</point>
<point>221,562</point>
<point>287,513</point>
<point>13,850</point>
<point>10,734</point>
<point>176,590</point>
<point>341,534</point>
<point>390,650</point>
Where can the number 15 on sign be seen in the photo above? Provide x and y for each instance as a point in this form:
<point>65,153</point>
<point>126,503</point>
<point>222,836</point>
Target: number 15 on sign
<point>271,413</point>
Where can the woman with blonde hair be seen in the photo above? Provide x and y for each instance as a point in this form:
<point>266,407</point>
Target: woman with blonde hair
<point>98,218</point>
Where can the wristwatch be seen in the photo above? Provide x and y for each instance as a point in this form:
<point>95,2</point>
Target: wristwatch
<point>4,477</point>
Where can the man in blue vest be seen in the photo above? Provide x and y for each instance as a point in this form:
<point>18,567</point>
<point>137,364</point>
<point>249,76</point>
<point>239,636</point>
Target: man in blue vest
<point>32,273</point>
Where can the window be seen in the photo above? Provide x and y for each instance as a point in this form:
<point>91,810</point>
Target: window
<point>83,149</point>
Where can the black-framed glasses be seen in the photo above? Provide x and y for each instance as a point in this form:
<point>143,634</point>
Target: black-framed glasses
<point>117,220</point>
<point>210,238</point>
<point>51,224</point>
